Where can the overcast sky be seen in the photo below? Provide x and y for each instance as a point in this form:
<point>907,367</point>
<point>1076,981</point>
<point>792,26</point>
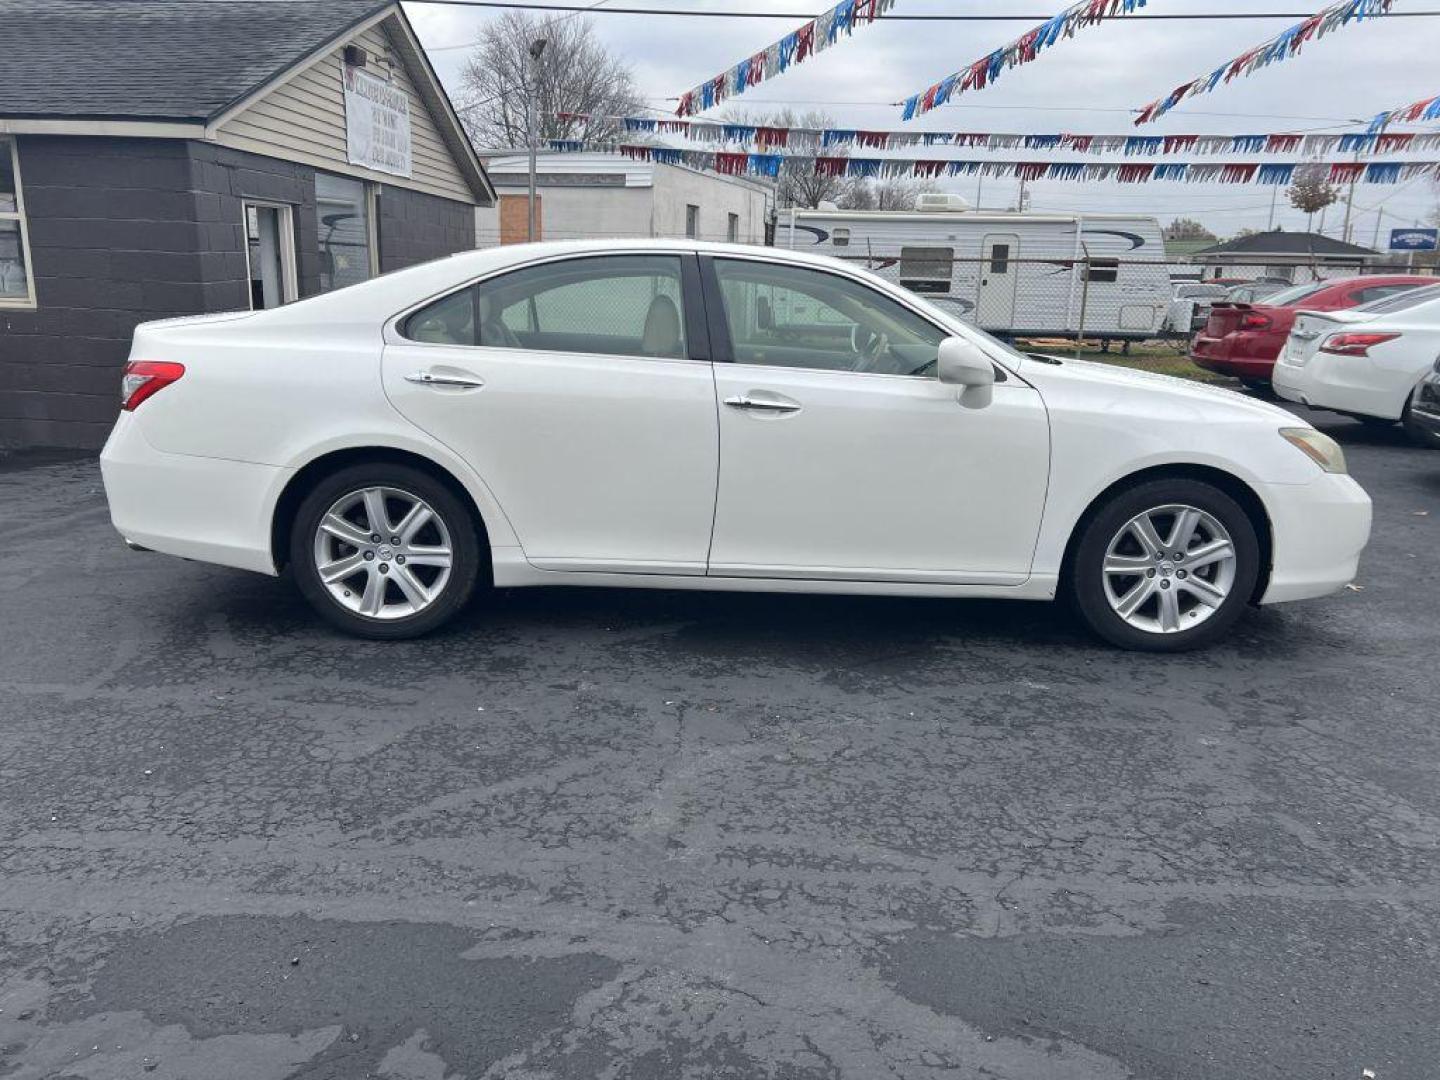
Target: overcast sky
<point>1087,84</point>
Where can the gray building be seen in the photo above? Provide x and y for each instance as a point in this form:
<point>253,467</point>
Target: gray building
<point>173,157</point>
<point>595,195</point>
<point>1289,256</point>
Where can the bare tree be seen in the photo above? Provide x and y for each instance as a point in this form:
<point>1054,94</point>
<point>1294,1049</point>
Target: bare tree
<point>575,74</point>
<point>892,193</point>
<point>1311,191</point>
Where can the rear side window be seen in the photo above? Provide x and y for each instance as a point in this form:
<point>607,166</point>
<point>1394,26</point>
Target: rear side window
<point>1378,292</point>
<point>1404,300</point>
<point>613,305</point>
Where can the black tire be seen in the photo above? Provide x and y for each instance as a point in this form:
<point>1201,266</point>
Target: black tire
<point>1085,582</point>
<point>1260,386</point>
<point>467,550</point>
<point>1375,423</point>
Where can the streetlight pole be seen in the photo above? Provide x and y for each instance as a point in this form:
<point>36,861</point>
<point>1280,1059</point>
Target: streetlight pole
<point>532,88</point>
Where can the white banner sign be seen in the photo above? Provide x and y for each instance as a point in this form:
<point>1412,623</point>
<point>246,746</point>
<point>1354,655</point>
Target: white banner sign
<point>377,123</point>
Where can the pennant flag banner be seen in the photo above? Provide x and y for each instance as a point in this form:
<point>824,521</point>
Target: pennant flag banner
<point>814,140</point>
<point>1281,47</point>
<point>981,73</point>
<point>733,163</point>
<point>1425,109</point>
<point>794,48</point>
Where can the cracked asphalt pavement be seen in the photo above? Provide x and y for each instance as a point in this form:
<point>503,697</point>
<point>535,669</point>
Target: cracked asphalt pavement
<point>594,833</point>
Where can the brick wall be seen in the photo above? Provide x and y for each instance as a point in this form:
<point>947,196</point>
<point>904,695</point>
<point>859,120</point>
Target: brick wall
<point>515,218</point>
<point>127,230</point>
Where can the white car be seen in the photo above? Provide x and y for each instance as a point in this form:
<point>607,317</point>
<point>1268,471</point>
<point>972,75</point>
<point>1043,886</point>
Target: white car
<point>1364,361</point>
<point>1188,300</point>
<point>682,415</point>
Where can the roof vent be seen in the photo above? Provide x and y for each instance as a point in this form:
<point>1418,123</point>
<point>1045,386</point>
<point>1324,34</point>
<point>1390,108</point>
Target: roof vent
<point>932,202</point>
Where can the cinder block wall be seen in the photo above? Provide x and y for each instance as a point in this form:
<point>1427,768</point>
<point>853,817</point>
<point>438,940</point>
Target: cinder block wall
<point>127,230</point>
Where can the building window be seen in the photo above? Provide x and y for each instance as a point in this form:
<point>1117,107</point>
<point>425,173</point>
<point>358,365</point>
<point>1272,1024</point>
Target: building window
<point>346,229</point>
<point>17,288</point>
<point>927,269</point>
<point>732,228</point>
<point>692,221</point>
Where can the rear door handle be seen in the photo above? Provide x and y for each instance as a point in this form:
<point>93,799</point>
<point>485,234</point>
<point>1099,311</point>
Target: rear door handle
<point>430,378</point>
<point>777,404</point>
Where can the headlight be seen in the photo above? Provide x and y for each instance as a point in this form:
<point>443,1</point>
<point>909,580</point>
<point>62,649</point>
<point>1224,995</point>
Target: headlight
<point>1319,448</point>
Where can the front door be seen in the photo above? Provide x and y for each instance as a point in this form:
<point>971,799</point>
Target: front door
<point>581,393</point>
<point>842,457</point>
<point>270,254</point>
<point>995,308</point>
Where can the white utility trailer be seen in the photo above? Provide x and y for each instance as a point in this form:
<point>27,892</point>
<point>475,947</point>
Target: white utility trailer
<point>1013,274</point>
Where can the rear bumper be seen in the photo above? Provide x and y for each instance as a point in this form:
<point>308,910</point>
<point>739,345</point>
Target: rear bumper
<point>1229,356</point>
<point>1319,530</point>
<point>1347,384</point>
<point>207,509</point>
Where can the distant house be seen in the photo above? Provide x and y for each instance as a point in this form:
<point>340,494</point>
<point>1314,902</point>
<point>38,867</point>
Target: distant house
<point>595,195</point>
<point>175,157</point>
<point>1291,256</point>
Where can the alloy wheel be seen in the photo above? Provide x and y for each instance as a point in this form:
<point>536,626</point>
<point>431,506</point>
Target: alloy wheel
<point>383,553</point>
<point>1169,569</point>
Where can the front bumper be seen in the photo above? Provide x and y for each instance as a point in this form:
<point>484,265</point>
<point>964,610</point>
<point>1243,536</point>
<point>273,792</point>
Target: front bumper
<point>207,509</point>
<point>1319,530</point>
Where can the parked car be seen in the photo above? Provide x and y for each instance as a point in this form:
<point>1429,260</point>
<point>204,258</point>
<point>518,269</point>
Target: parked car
<point>681,415</point>
<point>1188,299</point>
<point>1253,292</point>
<point>1423,421</point>
<point>1243,339</point>
<point>1367,362</point>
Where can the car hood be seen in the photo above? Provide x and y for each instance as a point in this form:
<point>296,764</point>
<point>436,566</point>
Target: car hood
<point>1166,390</point>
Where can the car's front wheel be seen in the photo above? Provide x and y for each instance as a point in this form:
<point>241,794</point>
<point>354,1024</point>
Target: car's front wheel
<point>1166,566</point>
<point>384,551</point>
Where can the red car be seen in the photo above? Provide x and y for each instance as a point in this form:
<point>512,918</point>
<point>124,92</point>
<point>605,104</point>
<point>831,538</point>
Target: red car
<point>1243,340</point>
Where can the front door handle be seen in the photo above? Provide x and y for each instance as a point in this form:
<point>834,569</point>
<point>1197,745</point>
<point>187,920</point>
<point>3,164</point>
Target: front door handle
<point>429,378</point>
<point>777,405</point>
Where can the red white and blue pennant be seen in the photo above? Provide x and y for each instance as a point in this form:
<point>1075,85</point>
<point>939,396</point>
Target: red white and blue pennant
<point>1422,110</point>
<point>1279,48</point>
<point>735,163</point>
<point>982,72</point>
<point>794,48</point>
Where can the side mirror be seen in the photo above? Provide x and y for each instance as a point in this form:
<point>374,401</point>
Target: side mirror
<point>963,363</point>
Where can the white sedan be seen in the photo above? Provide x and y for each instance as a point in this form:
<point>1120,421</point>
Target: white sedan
<point>701,416</point>
<point>1364,361</point>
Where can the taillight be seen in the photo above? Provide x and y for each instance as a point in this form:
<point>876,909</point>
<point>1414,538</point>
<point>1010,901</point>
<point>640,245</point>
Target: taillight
<point>143,378</point>
<point>1256,320</point>
<point>1354,344</point>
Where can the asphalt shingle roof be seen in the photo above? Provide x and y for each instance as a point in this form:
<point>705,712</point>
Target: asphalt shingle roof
<point>156,59</point>
<point>1285,243</point>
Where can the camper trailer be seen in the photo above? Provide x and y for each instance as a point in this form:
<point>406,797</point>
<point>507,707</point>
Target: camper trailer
<point>1013,274</point>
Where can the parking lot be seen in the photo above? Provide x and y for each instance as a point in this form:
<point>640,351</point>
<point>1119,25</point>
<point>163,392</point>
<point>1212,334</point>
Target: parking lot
<point>593,833</point>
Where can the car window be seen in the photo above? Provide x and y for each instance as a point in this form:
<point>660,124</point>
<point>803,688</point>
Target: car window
<point>1293,295</point>
<point>793,316</point>
<point>612,305</point>
<point>1412,297</point>
<point>1377,292</point>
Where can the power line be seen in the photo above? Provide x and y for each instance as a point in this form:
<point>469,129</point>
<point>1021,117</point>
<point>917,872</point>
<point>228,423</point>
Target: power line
<point>1198,16</point>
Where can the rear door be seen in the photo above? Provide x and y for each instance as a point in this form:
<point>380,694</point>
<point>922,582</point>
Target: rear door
<point>580,390</point>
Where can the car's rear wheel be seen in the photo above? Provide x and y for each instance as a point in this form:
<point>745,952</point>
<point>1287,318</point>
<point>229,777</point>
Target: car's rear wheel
<point>384,551</point>
<point>1167,566</point>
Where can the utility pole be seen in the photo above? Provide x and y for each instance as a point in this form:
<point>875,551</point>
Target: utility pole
<point>1274,199</point>
<point>532,136</point>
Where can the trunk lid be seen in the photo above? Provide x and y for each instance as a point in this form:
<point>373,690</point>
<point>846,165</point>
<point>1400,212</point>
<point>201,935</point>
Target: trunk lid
<point>1313,327</point>
<point>1224,318</point>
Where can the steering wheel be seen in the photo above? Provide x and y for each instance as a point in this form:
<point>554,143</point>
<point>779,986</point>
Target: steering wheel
<point>869,345</point>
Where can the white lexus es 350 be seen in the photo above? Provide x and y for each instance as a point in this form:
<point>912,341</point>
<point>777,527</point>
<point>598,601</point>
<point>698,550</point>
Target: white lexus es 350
<point>684,415</point>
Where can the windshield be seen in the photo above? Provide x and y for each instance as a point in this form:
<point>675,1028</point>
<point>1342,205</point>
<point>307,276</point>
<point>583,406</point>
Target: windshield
<point>1402,301</point>
<point>1296,293</point>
